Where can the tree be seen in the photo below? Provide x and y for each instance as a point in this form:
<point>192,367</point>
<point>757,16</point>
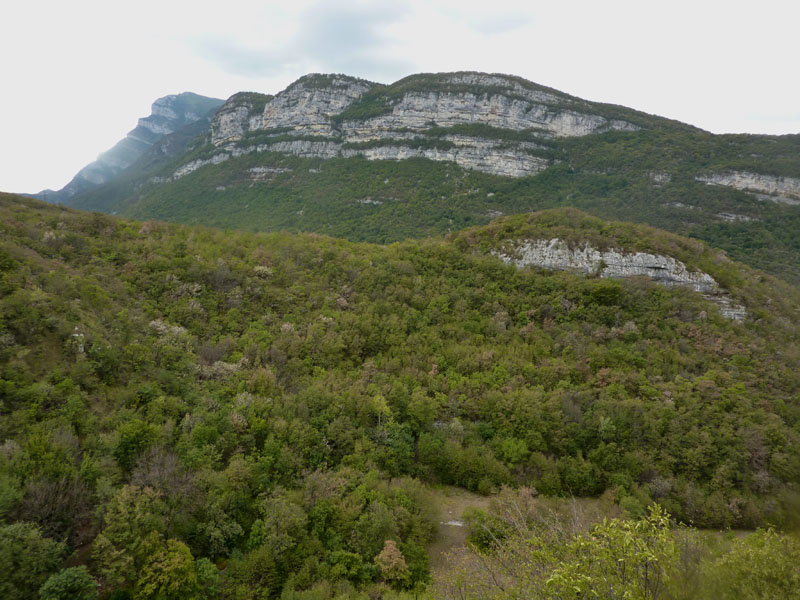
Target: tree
<point>133,528</point>
<point>392,564</point>
<point>135,437</point>
<point>57,506</point>
<point>762,566</point>
<point>74,583</point>
<point>168,574</point>
<point>618,559</point>
<point>26,560</point>
<point>614,559</point>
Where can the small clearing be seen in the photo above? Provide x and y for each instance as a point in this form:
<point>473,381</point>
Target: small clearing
<point>451,503</point>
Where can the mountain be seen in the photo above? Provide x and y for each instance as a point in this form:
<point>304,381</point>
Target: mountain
<point>434,153</point>
<point>182,116</point>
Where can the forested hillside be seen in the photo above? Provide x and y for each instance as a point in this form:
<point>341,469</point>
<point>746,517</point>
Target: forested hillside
<point>191,413</point>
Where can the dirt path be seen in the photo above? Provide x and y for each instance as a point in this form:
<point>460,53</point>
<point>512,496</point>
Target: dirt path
<point>452,502</point>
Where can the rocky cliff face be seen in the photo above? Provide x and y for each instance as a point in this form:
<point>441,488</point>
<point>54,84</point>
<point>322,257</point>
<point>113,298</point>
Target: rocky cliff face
<point>169,114</point>
<point>490,123</point>
<point>305,108</point>
<point>242,112</point>
<point>421,110</point>
<point>665,270</point>
<point>309,104</point>
<point>785,190</point>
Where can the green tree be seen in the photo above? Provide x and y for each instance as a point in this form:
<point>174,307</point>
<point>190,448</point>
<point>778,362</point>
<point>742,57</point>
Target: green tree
<point>74,583</point>
<point>135,437</point>
<point>623,559</point>
<point>26,560</point>
<point>133,530</point>
<point>168,574</point>
<point>762,566</point>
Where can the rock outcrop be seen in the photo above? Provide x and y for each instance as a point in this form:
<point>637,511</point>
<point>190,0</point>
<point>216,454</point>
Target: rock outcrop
<point>421,110</point>
<point>309,104</point>
<point>242,112</point>
<point>490,123</point>
<point>306,107</point>
<point>557,254</point>
<point>785,190</point>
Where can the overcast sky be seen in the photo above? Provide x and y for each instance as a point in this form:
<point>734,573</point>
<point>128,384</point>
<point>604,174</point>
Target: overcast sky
<point>76,75</point>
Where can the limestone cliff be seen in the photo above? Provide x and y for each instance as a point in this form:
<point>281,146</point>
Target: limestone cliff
<point>665,270</point>
<point>491,123</point>
<point>242,112</point>
<point>305,107</point>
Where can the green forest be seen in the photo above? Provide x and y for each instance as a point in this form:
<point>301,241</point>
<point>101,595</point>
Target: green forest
<point>188,412</point>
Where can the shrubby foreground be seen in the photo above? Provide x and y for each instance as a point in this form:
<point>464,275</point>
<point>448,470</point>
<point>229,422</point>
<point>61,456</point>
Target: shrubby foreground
<point>192,413</point>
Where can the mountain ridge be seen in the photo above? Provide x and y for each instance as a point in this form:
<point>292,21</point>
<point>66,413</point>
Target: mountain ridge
<point>330,153</point>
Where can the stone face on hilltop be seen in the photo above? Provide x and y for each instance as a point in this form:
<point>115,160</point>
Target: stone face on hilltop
<point>306,107</point>
<point>310,103</point>
<point>420,110</point>
<point>359,118</point>
<point>242,112</point>
<point>557,254</point>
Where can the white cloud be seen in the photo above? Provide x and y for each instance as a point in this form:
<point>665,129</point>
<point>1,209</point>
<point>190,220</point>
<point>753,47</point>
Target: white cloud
<point>341,36</point>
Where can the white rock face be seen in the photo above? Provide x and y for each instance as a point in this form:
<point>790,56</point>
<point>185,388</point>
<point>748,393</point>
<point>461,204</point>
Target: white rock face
<point>230,123</point>
<point>510,83</point>
<point>471,153</point>
<point>157,127</point>
<point>481,156</point>
<point>733,217</point>
<point>196,164</point>
<point>239,115</point>
<point>164,107</point>
<point>556,254</point>
<point>419,110</point>
<point>309,107</point>
<point>766,187</point>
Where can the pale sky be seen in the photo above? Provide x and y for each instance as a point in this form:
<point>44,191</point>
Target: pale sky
<point>76,75</point>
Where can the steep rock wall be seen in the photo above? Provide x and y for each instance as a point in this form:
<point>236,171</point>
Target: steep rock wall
<point>420,110</point>
<point>316,105</point>
<point>308,108</point>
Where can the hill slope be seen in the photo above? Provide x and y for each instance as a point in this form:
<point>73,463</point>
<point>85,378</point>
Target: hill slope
<point>274,403</point>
